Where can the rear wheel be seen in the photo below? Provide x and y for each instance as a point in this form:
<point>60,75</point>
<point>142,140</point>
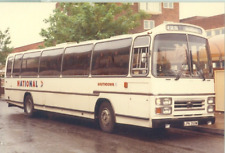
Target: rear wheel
<point>106,117</point>
<point>29,106</point>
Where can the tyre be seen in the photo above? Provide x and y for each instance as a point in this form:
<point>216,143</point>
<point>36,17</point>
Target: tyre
<point>106,117</point>
<point>29,106</point>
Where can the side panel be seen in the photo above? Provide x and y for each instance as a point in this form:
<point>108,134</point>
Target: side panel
<point>78,96</point>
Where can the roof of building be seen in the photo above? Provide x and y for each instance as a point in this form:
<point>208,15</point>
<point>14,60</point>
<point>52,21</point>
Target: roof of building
<point>28,47</point>
<point>211,22</point>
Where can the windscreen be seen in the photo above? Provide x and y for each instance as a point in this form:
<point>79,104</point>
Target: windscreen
<point>170,55</point>
<point>200,57</point>
<point>179,55</point>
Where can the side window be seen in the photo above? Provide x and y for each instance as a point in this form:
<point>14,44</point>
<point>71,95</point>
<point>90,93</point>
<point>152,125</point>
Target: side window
<point>30,64</point>
<point>76,60</point>
<point>9,67</point>
<point>140,60</point>
<point>17,65</point>
<point>111,58</point>
<point>50,62</point>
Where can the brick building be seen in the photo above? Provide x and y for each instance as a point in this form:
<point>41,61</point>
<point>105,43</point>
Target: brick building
<point>214,25</point>
<point>160,12</point>
<point>28,47</point>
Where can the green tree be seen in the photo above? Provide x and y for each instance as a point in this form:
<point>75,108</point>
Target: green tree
<point>4,45</point>
<point>76,22</point>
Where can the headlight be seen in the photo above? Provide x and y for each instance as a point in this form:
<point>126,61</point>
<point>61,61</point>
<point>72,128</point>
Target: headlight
<point>211,109</point>
<point>163,101</point>
<point>164,110</point>
<point>211,100</point>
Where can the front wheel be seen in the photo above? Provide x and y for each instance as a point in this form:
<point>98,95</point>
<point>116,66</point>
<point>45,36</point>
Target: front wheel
<point>106,117</point>
<point>29,106</point>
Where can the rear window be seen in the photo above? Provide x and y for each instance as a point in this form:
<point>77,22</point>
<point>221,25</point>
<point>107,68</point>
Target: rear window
<point>9,67</point>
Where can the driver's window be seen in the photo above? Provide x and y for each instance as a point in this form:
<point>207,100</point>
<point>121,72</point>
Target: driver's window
<point>140,58</point>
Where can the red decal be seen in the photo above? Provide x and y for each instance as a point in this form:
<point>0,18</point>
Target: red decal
<point>105,84</point>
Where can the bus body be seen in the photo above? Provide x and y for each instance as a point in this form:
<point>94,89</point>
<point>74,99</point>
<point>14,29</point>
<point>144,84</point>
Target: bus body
<point>160,78</point>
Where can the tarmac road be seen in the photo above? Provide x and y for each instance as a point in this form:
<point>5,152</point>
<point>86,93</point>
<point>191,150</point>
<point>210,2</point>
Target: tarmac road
<point>53,133</point>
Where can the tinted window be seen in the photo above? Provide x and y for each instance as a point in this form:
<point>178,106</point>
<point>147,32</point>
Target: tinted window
<point>17,65</point>
<point>76,60</point>
<point>50,63</point>
<point>9,66</point>
<point>30,64</point>
<point>111,58</point>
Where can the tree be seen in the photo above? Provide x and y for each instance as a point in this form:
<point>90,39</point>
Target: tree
<point>75,22</point>
<point>4,45</point>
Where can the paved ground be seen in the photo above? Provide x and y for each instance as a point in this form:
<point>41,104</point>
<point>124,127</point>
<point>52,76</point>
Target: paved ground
<point>217,128</point>
<point>48,133</point>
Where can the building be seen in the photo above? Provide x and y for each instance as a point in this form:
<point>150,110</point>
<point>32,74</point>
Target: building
<point>29,47</point>
<point>214,25</point>
<point>159,14</point>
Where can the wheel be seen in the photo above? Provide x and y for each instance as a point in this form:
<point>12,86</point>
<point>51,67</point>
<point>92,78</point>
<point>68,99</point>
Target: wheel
<point>29,106</point>
<point>106,117</point>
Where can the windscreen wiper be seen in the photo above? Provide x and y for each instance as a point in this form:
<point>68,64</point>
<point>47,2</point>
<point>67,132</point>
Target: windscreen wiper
<point>200,71</point>
<point>180,72</point>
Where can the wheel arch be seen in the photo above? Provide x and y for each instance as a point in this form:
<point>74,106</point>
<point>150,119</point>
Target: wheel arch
<point>98,104</point>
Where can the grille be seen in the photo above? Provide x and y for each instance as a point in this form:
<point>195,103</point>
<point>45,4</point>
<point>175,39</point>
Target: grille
<point>189,105</point>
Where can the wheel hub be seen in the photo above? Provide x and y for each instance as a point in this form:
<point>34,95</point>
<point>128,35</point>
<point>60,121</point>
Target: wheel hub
<point>105,116</point>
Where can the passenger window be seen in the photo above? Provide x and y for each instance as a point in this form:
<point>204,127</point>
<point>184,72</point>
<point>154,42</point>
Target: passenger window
<point>50,62</point>
<point>76,60</point>
<point>30,64</point>
<point>9,67</point>
<point>17,65</point>
<point>140,60</point>
<point>111,58</point>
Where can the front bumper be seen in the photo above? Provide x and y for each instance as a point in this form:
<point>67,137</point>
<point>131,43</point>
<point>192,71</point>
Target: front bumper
<point>179,122</point>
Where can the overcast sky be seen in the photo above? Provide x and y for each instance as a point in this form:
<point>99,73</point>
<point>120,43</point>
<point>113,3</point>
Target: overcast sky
<point>25,20</point>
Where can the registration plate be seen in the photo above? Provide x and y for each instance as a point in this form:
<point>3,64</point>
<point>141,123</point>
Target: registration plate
<point>190,123</point>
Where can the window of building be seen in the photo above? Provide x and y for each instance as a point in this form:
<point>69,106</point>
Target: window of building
<point>111,58</point>
<point>209,33</point>
<point>217,31</point>
<point>9,66</point>
<point>76,60</point>
<point>30,64</point>
<point>17,65</point>
<point>50,62</point>
<point>151,7</point>
<point>149,24</point>
<point>168,5</point>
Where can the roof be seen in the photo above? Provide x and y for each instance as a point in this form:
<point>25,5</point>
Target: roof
<point>211,22</point>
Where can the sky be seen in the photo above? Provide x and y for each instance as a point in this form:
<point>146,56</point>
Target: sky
<point>25,20</point>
